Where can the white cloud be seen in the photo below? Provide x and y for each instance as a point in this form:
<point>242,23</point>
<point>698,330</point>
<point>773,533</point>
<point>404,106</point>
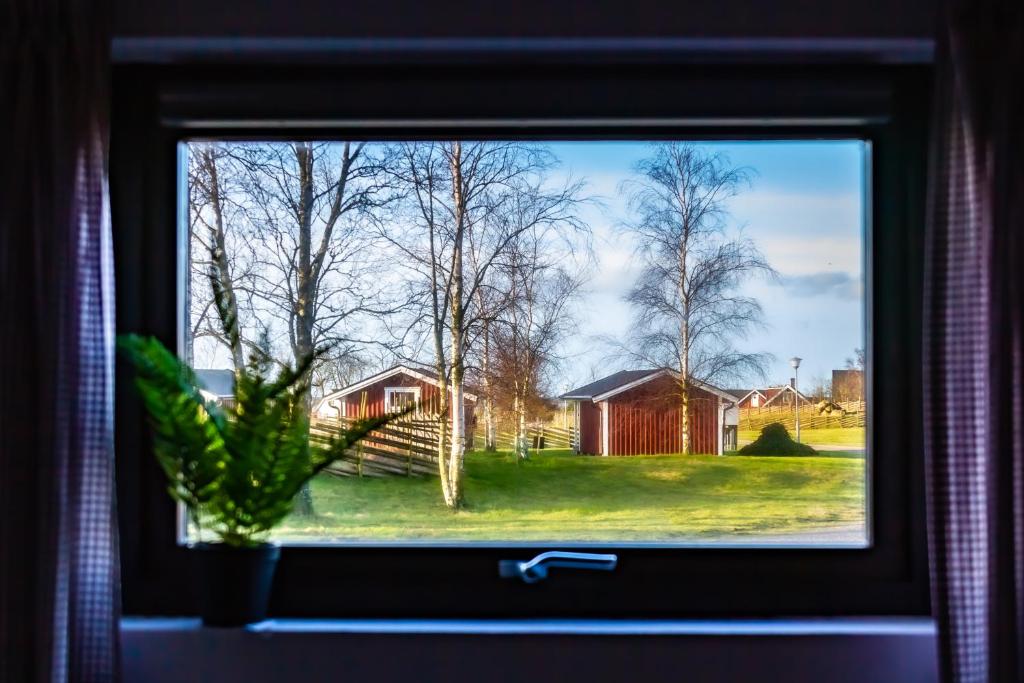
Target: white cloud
<point>810,255</point>
<point>840,285</point>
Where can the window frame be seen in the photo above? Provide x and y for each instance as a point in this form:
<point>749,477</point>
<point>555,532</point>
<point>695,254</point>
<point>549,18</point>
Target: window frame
<point>391,391</point>
<point>155,106</point>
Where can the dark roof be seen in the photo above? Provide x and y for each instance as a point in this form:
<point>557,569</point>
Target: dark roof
<point>738,393</point>
<point>609,383</point>
<point>217,382</point>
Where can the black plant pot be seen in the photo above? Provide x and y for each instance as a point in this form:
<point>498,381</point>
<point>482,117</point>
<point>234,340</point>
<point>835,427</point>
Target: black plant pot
<point>234,583</point>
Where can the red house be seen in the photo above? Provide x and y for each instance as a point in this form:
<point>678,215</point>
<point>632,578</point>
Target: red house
<point>748,398</point>
<point>388,391</point>
<point>636,412</point>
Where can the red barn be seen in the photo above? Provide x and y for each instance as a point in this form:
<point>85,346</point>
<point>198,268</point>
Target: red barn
<point>389,391</point>
<point>783,395</point>
<point>637,412</point>
<point>748,398</point>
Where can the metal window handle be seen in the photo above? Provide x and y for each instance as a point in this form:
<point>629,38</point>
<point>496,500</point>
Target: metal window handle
<point>532,571</point>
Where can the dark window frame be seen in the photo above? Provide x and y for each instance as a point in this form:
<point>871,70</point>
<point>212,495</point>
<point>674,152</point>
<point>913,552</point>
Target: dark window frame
<point>156,106</point>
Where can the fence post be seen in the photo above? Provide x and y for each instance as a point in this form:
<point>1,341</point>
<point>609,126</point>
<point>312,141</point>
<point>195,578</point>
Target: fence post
<point>408,462</point>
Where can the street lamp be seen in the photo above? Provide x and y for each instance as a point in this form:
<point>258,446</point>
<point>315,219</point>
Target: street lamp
<point>795,363</point>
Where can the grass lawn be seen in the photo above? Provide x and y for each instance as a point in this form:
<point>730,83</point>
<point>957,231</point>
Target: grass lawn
<point>558,496</point>
<point>828,436</point>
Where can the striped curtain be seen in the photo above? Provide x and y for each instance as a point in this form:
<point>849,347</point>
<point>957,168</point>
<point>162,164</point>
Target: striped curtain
<point>974,344</point>
<point>59,590</point>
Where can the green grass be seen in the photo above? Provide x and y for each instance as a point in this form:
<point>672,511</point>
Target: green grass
<point>827,436</point>
<point>559,496</point>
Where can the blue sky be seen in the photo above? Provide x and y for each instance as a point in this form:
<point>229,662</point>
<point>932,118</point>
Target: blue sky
<point>805,212</point>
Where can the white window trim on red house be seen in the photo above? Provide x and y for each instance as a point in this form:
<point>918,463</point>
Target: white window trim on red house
<point>390,391</point>
<point>604,428</point>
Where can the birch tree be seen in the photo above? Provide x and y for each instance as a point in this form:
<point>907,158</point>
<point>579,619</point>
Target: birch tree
<point>533,324</point>
<point>215,249</point>
<point>689,308</point>
<point>314,271</point>
<point>458,192</point>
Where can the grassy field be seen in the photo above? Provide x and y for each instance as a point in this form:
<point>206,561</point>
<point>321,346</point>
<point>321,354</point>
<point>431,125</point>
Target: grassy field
<point>831,436</point>
<point>564,497</point>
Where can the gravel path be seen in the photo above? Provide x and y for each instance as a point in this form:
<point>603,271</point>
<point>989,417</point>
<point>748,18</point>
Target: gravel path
<point>850,535</point>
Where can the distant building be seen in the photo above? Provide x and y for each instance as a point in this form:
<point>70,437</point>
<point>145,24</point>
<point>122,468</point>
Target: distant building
<point>637,412</point>
<point>783,394</point>
<point>217,386</point>
<point>748,398</point>
<point>389,391</point>
<point>847,385</point>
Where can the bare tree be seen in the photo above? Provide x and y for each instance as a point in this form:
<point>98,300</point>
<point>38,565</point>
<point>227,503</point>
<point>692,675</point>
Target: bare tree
<point>687,303</point>
<point>534,323</point>
<point>491,300</point>
<point>819,388</point>
<point>215,248</point>
<point>458,192</point>
<point>856,362</point>
<point>307,204</point>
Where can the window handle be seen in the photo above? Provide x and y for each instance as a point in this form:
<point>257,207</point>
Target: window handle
<point>532,571</point>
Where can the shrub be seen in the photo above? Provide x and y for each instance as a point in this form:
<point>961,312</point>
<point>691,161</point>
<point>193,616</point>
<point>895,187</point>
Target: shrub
<point>775,440</point>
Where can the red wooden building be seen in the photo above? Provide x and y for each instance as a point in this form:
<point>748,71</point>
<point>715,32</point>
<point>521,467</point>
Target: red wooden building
<point>389,391</point>
<point>748,398</point>
<point>637,412</point>
<point>783,395</point>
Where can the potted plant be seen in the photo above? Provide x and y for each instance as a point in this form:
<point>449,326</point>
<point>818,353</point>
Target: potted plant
<point>236,470</point>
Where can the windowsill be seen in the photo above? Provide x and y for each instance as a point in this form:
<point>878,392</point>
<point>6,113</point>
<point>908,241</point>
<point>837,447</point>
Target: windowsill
<point>847,650</point>
<point>852,626</point>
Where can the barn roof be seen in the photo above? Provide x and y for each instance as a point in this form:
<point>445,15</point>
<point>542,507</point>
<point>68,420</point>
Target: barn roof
<point>739,393</point>
<point>220,383</point>
<point>416,371</point>
<point>774,392</point>
<point>627,379</point>
<point>609,383</point>
<point>742,394</point>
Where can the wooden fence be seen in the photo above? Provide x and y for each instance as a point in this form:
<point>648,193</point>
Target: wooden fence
<point>403,448</point>
<point>850,414</point>
<point>554,436</point>
<point>409,447</point>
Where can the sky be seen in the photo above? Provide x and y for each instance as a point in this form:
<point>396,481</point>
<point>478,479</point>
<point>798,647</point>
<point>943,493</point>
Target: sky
<point>804,210</point>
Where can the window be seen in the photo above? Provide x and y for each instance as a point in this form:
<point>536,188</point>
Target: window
<point>594,298</point>
<point>398,399</point>
<point>822,228</point>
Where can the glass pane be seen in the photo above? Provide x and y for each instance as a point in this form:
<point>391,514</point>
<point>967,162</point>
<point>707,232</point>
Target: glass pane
<point>612,341</point>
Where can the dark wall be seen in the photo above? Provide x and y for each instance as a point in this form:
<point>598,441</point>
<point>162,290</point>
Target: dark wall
<point>526,18</point>
<point>164,651</point>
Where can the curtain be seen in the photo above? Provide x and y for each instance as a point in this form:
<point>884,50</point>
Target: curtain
<point>974,343</point>
<point>59,591</point>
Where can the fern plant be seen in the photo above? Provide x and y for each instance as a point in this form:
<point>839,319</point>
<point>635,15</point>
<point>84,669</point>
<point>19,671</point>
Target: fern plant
<point>237,470</point>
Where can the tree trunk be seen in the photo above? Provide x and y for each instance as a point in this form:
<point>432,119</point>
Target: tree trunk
<point>303,313</point>
<point>442,420</point>
<point>458,409</point>
<point>490,435</point>
<point>684,385</point>
<point>684,353</point>
<point>522,438</point>
<point>220,256</point>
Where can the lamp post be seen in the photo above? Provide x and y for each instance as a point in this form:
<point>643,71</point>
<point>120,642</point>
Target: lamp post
<point>795,363</point>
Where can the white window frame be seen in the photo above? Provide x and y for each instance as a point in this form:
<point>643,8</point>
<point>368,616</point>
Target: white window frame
<point>389,391</point>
